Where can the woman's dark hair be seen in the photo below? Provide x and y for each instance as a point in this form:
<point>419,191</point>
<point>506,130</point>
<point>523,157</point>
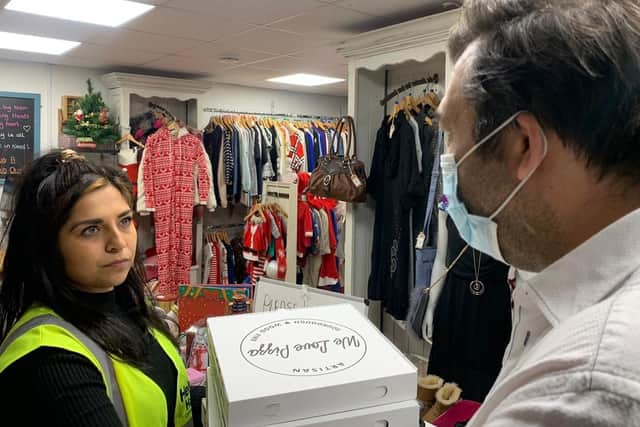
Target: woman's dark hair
<point>34,267</point>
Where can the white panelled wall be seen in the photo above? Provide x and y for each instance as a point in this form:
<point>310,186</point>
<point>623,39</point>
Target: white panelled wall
<point>53,82</point>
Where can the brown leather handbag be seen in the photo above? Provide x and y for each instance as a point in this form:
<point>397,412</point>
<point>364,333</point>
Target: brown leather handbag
<point>341,178</point>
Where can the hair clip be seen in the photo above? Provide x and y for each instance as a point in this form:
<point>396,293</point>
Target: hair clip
<point>68,155</point>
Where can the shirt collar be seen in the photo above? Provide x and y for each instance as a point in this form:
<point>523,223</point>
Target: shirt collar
<point>591,272</point>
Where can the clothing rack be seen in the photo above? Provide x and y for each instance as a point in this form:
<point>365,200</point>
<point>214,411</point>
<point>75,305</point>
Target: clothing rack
<point>423,81</point>
<point>222,227</point>
<point>301,117</point>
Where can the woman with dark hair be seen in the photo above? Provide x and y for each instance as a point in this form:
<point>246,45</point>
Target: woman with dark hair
<point>80,346</point>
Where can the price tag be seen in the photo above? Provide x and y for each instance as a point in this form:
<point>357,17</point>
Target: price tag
<point>356,180</point>
<point>420,240</point>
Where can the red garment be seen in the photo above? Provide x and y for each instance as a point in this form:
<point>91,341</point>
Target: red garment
<point>254,239</point>
<point>281,250</point>
<point>256,269</point>
<point>296,152</point>
<point>168,173</point>
<point>305,221</point>
<point>214,265</point>
<point>132,172</point>
<point>329,274</point>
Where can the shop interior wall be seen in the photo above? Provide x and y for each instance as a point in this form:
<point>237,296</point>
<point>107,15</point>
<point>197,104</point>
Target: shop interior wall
<point>53,82</point>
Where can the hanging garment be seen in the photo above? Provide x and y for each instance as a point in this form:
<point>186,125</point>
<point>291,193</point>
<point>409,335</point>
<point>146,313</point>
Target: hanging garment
<point>257,158</point>
<point>296,152</point>
<point>227,149</point>
<point>222,186</point>
<point>254,239</point>
<point>208,259</point>
<point>214,265</point>
<point>128,162</point>
<point>213,144</point>
<point>375,187</point>
<point>329,275</point>
<point>311,151</point>
<point>231,267</point>
<point>395,185</point>
<point>212,203</point>
<point>141,205</point>
<point>472,324</point>
<point>224,268</point>
<point>429,153</point>
<point>268,172</point>
<point>237,179</point>
<point>168,183</point>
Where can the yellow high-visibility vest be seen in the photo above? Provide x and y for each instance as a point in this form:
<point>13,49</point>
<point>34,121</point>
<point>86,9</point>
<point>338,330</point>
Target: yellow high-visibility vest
<point>138,400</point>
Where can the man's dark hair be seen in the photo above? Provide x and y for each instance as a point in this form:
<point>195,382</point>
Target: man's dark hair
<point>574,64</point>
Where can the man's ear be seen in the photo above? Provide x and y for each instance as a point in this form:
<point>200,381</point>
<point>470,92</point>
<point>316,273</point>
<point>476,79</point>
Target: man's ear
<point>530,148</point>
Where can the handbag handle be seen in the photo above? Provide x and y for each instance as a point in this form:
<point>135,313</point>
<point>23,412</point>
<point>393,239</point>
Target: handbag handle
<point>352,134</point>
<point>348,120</point>
<point>337,134</point>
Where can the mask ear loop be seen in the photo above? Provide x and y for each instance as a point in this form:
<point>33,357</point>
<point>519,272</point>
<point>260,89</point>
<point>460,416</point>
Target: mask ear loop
<point>525,180</point>
<point>491,135</point>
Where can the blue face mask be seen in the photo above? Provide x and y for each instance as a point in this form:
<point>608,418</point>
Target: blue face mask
<point>481,233</point>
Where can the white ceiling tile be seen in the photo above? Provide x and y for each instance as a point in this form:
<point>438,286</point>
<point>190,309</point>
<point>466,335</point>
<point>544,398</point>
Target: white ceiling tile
<point>183,65</point>
<point>113,54</point>
<point>271,41</point>
<point>247,10</point>
<point>386,8</point>
<point>314,60</point>
<point>331,23</point>
<point>291,65</point>
<point>188,25</point>
<point>121,37</point>
<point>72,61</point>
<point>257,77</point>
<point>255,74</point>
<point>217,50</point>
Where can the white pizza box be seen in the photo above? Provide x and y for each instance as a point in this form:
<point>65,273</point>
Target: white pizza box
<point>404,414</point>
<point>283,366</point>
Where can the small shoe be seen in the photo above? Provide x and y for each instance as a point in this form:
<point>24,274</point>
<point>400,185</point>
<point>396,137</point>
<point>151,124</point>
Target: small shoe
<point>446,397</point>
<point>427,388</point>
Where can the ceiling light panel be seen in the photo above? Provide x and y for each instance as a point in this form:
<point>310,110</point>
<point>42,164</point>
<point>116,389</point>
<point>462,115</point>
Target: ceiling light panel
<point>305,80</point>
<point>26,43</point>
<point>111,13</point>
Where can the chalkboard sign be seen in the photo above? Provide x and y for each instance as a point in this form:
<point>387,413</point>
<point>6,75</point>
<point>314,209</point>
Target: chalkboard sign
<point>19,131</point>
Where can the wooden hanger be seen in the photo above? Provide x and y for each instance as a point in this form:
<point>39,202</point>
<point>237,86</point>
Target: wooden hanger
<point>129,138</point>
<point>277,208</point>
<point>255,209</point>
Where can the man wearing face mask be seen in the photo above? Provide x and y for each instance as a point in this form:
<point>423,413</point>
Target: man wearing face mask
<point>542,170</point>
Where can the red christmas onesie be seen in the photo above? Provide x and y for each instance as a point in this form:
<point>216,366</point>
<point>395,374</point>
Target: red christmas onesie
<point>169,165</point>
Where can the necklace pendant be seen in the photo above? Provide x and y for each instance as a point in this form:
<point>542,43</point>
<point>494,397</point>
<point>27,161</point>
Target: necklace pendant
<point>476,287</point>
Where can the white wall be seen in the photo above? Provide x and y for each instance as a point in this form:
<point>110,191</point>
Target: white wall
<point>54,81</point>
<point>240,98</point>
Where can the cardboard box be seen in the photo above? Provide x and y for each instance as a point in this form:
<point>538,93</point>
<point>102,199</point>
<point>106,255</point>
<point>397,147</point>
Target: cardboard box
<point>394,415</point>
<point>284,366</point>
<point>404,414</point>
